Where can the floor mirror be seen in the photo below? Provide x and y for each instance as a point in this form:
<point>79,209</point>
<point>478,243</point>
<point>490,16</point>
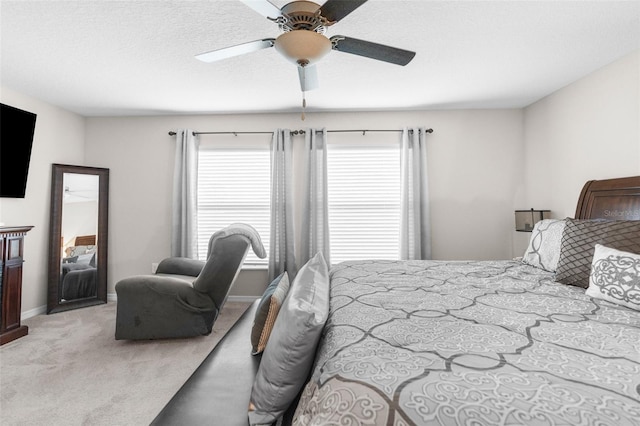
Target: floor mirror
<point>78,237</point>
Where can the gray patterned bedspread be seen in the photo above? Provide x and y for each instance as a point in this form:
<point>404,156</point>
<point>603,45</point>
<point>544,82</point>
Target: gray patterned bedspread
<point>470,343</point>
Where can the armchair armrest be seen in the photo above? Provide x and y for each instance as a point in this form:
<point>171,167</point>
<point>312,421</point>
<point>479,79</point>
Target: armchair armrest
<point>180,266</point>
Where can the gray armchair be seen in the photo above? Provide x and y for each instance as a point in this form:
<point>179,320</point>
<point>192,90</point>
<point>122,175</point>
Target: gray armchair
<point>184,296</point>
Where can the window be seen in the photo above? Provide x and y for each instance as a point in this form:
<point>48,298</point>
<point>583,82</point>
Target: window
<point>233,186</point>
<point>363,192</point>
<point>364,200</point>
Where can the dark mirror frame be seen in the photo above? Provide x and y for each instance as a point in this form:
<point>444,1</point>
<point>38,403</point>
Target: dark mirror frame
<point>54,303</point>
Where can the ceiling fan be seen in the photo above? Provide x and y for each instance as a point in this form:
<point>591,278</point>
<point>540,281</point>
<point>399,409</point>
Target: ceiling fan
<point>79,194</point>
<point>303,24</point>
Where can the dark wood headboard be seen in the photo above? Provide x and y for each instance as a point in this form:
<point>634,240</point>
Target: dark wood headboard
<point>85,240</point>
<point>613,199</point>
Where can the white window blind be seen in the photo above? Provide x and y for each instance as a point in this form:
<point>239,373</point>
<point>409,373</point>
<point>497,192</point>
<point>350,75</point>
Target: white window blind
<point>364,201</point>
<point>233,186</point>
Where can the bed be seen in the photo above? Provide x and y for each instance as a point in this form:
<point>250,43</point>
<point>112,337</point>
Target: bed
<point>78,274</point>
<point>480,342</point>
<point>436,343</point>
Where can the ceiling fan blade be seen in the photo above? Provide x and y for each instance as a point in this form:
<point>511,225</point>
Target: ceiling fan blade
<point>264,8</point>
<point>308,77</point>
<point>372,50</point>
<point>335,10</point>
<point>237,50</point>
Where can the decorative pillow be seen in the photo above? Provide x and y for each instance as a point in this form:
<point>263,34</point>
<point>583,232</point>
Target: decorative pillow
<point>544,245</point>
<point>86,258</point>
<point>288,358</point>
<point>267,312</point>
<point>78,250</point>
<point>615,277</point>
<point>578,244</point>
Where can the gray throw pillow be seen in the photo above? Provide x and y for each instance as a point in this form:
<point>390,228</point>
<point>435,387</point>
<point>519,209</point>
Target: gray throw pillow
<point>543,250</point>
<point>578,244</point>
<point>290,352</point>
<point>267,312</point>
<point>615,277</point>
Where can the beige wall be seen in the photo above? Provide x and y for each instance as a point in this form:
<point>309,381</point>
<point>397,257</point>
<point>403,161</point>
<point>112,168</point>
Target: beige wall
<point>587,130</point>
<point>79,219</point>
<point>58,138</point>
<point>483,165</point>
<point>475,160</point>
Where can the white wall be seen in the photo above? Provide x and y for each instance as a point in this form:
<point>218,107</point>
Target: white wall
<point>475,160</point>
<point>58,138</point>
<point>78,218</point>
<point>587,130</point>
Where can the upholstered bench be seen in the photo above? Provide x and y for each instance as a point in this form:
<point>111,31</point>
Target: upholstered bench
<point>218,392</point>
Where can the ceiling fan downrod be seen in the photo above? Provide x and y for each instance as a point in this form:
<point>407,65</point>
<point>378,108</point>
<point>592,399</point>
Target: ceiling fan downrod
<point>304,105</point>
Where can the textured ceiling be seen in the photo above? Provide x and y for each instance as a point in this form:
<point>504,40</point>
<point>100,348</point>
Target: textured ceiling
<point>137,57</point>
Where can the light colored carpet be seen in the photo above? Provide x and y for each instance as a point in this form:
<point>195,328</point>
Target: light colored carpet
<point>69,370</point>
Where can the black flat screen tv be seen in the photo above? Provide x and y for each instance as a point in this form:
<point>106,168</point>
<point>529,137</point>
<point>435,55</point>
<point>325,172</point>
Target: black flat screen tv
<point>16,138</point>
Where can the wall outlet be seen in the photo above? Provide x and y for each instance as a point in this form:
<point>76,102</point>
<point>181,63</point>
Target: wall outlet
<point>154,268</point>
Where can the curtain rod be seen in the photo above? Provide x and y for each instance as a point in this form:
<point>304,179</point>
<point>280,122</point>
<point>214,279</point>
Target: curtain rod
<point>296,132</point>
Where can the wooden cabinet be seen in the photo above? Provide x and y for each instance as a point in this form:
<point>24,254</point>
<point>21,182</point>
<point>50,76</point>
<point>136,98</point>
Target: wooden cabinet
<point>11,251</point>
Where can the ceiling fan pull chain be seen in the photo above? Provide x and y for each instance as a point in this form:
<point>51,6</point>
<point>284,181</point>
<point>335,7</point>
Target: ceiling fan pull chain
<point>304,105</point>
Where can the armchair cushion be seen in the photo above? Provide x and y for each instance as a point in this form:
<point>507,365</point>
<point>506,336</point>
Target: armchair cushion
<point>217,276</point>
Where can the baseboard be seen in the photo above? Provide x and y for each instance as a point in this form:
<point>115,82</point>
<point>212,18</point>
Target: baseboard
<point>111,297</point>
<point>33,312</point>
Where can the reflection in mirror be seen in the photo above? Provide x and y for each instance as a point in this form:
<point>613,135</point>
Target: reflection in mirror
<point>78,279</point>
<point>78,237</point>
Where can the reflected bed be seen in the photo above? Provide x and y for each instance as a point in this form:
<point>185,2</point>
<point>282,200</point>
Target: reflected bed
<point>78,276</point>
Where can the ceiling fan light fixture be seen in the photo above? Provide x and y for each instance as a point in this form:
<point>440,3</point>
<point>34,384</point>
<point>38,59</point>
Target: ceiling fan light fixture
<point>303,46</point>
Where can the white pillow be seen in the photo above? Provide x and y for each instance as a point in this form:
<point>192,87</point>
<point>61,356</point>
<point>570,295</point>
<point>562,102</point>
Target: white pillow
<point>615,277</point>
<point>85,258</point>
<point>290,351</point>
<point>544,245</point>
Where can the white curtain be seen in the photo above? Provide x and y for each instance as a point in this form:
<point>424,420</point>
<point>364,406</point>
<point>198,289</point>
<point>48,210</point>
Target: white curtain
<point>415,222</point>
<point>315,215</point>
<point>282,247</point>
<point>184,232</point>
